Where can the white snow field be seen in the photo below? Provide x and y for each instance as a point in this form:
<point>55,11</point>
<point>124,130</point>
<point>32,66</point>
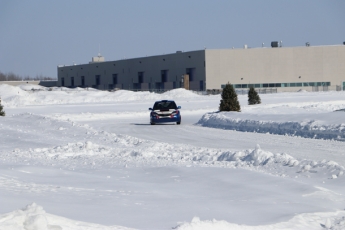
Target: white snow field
<point>89,159</point>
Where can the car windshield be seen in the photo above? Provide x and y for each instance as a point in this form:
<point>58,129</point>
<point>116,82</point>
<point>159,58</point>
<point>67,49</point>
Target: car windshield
<point>164,105</point>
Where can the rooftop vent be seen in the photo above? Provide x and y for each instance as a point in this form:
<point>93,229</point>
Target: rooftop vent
<point>344,43</point>
<point>99,58</point>
<point>307,44</point>
<point>274,44</point>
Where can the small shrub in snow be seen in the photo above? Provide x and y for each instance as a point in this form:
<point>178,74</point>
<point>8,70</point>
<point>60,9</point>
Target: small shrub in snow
<point>2,112</point>
<point>229,100</point>
<point>253,97</point>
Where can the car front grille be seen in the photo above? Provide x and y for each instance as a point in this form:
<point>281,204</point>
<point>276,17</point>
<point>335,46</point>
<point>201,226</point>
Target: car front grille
<point>164,115</point>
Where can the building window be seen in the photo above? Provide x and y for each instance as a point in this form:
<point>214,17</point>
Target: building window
<point>164,76</point>
<point>98,79</point>
<point>114,79</point>
<point>140,77</point>
<point>201,87</point>
<point>278,85</point>
<point>191,73</point>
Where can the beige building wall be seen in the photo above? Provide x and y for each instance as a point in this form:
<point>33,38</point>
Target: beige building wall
<point>16,83</point>
<point>42,83</point>
<point>275,65</point>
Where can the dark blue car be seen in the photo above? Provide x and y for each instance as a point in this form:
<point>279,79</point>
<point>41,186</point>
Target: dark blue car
<point>165,111</point>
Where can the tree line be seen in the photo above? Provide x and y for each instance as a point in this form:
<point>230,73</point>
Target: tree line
<point>14,77</point>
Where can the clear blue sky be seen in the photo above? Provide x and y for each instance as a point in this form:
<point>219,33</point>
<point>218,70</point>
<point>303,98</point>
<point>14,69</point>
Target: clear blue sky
<point>38,35</point>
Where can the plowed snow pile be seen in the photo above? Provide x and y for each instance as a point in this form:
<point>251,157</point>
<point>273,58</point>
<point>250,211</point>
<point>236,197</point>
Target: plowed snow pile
<point>329,126</point>
<point>25,95</point>
<point>33,217</point>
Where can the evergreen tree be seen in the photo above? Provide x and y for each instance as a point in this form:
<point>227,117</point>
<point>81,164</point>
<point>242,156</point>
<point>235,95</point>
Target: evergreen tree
<point>253,97</point>
<point>2,112</point>
<point>229,100</point>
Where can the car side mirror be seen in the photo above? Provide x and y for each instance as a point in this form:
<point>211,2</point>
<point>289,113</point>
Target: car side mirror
<point>179,107</point>
<point>150,109</point>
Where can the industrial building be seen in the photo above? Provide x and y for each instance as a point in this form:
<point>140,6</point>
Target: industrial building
<point>311,68</point>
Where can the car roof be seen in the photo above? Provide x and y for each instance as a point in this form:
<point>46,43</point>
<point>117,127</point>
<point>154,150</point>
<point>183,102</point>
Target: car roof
<point>165,101</point>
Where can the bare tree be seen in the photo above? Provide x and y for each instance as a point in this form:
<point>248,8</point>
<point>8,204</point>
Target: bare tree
<point>2,77</point>
<point>14,77</point>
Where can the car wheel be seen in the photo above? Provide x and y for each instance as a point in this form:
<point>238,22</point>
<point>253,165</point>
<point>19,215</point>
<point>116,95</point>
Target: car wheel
<point>179,122</point>
<point>152,123</point>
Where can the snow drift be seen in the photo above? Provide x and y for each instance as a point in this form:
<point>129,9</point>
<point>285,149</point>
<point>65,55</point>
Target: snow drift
<point>102,148</point>
<point>319,126</point>
<point>334,221</point>
<point>75,142</point>
<point>25,95</point>
<point>33,217</point>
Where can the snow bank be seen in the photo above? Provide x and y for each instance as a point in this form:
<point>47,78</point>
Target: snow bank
<point>23,95</point>
<point>334,221</point>
<point>101,149</point>
<point>33,217</point>
<point>320,126</point>
<point>28,87</point>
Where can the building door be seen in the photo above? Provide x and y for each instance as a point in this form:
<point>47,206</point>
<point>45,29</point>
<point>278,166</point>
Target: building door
<point>191,73</point>
<point>114,79</point>
<point>98,79</point>
<point>201,88</point>
<point>164,76</point>
<point>140,77</point>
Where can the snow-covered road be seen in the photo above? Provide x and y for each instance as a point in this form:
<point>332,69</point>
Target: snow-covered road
<point>93,157</point>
